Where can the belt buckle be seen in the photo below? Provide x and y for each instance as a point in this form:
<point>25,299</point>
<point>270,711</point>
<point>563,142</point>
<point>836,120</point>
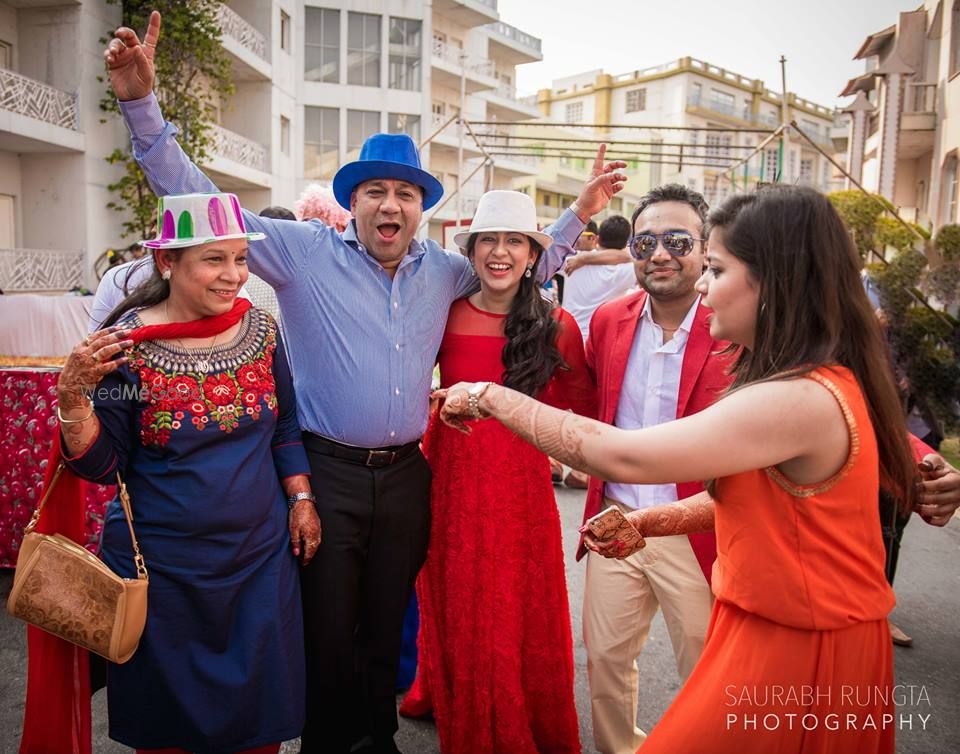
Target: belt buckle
<point>378,458</point>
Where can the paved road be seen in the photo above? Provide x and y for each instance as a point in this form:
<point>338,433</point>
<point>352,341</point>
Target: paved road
<point>928,589</point>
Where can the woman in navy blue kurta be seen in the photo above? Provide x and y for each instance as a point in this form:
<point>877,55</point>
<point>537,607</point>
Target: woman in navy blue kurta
<point>220,667</point>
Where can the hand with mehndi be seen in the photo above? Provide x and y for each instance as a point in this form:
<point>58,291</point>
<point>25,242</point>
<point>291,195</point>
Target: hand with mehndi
<point>939,490</point>
<point>305,530</point>
<point>613,547</point>
<point>89,362</point>
<point>455,406</point>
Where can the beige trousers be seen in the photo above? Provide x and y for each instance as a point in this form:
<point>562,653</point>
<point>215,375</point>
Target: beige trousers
<point>620,600</point>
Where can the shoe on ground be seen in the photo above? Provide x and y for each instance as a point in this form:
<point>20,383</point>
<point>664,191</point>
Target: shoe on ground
<point>899,637</point>
<point>556,471</point>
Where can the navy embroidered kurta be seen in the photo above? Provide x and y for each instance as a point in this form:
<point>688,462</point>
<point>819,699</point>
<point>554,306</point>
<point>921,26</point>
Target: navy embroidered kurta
<point>220,667</point>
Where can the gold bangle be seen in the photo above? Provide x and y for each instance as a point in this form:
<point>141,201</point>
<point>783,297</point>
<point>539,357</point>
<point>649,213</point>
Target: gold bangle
<point>74,421</point>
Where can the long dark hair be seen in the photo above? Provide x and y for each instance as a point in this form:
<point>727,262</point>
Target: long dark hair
<point>813,310</point>
<point>150,292</point>
<point>530,355</point>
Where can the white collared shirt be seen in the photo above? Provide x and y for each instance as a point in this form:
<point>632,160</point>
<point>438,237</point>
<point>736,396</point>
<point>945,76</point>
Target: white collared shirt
<point>649,396</point>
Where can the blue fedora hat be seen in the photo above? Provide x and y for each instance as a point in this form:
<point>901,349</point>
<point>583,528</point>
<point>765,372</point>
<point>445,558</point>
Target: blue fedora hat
<point>386,156</point>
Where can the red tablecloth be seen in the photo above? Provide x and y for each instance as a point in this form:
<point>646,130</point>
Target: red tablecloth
<point>27,422</point>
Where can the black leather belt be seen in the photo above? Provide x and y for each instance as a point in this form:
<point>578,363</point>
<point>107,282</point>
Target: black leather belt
<point>373,457</point>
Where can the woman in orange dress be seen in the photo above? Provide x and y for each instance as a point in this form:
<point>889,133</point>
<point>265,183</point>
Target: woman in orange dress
<point>798,655</point>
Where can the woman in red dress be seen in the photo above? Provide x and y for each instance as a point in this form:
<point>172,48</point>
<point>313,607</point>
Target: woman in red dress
<point>496,654</point>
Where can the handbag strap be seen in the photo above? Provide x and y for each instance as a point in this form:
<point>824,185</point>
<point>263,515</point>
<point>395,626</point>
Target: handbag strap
<point>124,503</point>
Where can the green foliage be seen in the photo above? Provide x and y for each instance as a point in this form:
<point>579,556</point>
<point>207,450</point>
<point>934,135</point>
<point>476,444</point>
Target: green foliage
<point>947,243</point>
<point>860,212</point>
<point>890,232</point>
<point>192,75</point>
<point>925,340</point>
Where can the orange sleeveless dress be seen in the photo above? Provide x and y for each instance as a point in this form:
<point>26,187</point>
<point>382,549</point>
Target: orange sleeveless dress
<point>798,656</point>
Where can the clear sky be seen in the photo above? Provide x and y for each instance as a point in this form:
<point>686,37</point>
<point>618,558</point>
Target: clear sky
<point>818,37</point>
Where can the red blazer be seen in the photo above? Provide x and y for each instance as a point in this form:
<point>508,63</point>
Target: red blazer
<point>703,379</point>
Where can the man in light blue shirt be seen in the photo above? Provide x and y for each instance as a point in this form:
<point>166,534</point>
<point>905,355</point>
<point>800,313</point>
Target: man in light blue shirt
<point>364,312</point>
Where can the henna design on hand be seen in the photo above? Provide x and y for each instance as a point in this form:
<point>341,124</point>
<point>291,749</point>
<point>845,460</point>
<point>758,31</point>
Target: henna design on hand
<point>688,516</point>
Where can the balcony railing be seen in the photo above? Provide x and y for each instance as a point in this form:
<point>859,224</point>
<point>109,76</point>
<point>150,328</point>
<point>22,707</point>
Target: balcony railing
<point>544,211</point>
<point>234,25</point>
<point>724,108</point>
<point>26,270</point>
<point>458,57</point>
<point>238,148</point>
<point>520,37</point>
<point>920,98</point>
<point>34,99</point>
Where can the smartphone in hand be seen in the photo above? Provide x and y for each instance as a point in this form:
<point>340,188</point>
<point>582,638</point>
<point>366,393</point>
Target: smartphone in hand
<point>612,524</point>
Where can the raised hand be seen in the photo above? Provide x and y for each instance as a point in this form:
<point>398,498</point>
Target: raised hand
<point>130,62</point>
<point>605,181</point>
<point>88,363</point>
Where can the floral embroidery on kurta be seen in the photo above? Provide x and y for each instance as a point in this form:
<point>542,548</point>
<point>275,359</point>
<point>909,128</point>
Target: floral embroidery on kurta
<point>240,383</point>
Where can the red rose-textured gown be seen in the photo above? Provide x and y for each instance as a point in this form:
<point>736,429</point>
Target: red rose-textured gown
<point>495,648</point>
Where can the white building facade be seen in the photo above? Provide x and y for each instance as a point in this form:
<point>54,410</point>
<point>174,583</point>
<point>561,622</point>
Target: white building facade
<point>312,79</point>
<point>904,131</point>
<point>683,103</point>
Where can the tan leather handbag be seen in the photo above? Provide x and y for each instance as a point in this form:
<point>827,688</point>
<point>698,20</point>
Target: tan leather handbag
<point>65,590</point>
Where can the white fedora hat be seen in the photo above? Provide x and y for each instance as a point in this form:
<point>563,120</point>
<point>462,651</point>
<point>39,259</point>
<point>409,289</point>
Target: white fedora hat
<point>507,212</point>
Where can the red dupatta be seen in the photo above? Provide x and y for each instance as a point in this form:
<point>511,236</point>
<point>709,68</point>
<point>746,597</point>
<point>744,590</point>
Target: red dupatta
<point>56,717</point>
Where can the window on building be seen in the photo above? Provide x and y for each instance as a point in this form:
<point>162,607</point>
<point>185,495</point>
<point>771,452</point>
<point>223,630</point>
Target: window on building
<point>404,123</point>
<point>284,135</point>
<point>573,113</point>
<point>656,169</point>
<point>321,45</point>
<point>438,109</point>
<point>771,165</point>
<point>806,171</point>
<point>321,142</point>
<point>950,187</point>
<point>955,39</point>
<point>718,147</point>
<point>696,92</point>
<point>710,189</point>
<point>8,230</point>
<point>810,128</point>
<point>405,46</point>
<point>363,49</point>
<point>636,100</point>
<point>284,31</point>
<point>6,55</point>
<point>361,124</point>
<point>722,102</point>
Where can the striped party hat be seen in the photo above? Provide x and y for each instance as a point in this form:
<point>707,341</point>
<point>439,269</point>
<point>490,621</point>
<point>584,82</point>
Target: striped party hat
<point>194,219</point>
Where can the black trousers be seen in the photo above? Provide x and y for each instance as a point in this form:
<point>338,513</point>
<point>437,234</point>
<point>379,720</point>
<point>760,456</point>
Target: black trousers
<point>892,524</point>
<point>375,529</point>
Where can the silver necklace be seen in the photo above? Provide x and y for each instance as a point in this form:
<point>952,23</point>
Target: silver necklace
<point>203,363</point>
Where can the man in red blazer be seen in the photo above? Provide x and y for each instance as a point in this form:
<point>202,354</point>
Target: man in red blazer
<point>654,361</point>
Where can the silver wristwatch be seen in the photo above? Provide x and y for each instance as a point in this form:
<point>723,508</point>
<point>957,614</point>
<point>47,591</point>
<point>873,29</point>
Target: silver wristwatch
<point>294,499</point>
<point>474,394</point>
